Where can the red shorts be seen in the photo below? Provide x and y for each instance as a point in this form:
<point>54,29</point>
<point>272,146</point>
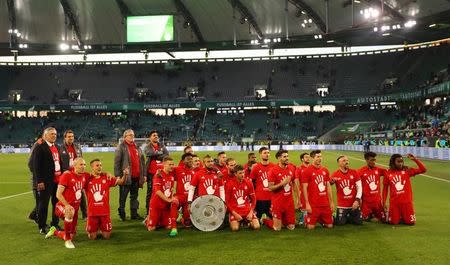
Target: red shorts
<point>372,208</point>
<point>158,217</point>
<point>94,223</point>
<point>243,213</point>
<point>323,215</point>
<point>59,211</point>
<point>284,212</point>
<point>401,211</point>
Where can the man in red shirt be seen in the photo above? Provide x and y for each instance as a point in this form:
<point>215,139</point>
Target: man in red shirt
<point>259,176</point>
<point>349,192</point>
<point>241,201</point>
<point>162,212</point>
<point>155,152</point>
<point>70,186</point>
<point>397,184</point>
<point>317,193</point>
<point>371,206</point>
<point>97,192</point>
<point>304,158</point>
<point>281,184</point>
<point>228,174</point>
<point>183,177</point>
<point>196,163</point>
<point>69,151</point>
<point>251,160</point>
<point>221,162</point>
<point>207,181</point>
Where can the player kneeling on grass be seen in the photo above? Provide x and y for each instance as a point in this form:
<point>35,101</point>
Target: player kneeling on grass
<point>70,186</point>
<point>163,210</point>
<point>398,184</point>
<point>97,192</point>
<point>281,183</point>
<point>371,205</point>
<point>317,192</point>
<point>241,200</point>
<point>349,192</point>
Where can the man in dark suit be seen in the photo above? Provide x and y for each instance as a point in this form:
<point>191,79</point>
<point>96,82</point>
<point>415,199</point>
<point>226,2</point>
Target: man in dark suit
<point>47,169</point>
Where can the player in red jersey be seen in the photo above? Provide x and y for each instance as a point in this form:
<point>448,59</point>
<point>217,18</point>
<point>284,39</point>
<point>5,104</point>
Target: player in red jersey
<point>281,184</point>
<point>251,160</point>
<point>221,162</point>
<point>196,163</point>
<point>97,192</point>
<point>371,205</point>
<point>207,181</point>
<point>349,193</point>
<point>69,192</point>
<point>241,201</point>
<point>228,174</point>
<point>304,158</point>
<point>317,193</point>
<point>397,184</point>
<point>162,213</point>
<point>183,177</point>
<point>259,176</point>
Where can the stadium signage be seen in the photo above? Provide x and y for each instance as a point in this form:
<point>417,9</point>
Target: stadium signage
<point>374,99</point>
<point>443,88</point>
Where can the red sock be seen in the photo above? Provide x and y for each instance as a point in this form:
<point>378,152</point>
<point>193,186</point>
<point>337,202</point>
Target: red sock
<point>60,234</point>
<point>68,228</point>
<point>268,223</point>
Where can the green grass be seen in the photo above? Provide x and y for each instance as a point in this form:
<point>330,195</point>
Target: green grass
<point>427,242</point>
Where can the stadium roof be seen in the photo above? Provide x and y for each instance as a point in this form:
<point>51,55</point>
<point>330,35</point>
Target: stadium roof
<point>44,25</point>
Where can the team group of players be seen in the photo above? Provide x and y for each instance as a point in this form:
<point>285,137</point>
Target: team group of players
<point>257,191</point>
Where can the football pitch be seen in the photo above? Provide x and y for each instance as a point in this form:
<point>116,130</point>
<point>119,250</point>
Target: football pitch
<point>428,242</point>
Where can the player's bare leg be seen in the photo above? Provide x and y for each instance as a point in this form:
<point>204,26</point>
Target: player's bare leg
<point>255,224</point>
<point>234,226</point>
<point>277,224</point>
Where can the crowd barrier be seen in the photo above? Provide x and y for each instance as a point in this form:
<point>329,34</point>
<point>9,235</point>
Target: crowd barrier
<point>423,152</point>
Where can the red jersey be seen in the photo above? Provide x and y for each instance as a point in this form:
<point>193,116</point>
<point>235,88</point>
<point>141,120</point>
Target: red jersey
<point>247,170</point>
<point>154,164</point>
<point>97,193</point>
<point>298,175</point>
<point>227,177</point>
<point>371,181</point>
<point>222,168</point>
<point>72,154</point>
<point>259,175</point>
<point>207,182</point>
<point>345,187</point>
<point>134,160</point>
<point>240,196</point>
<point>164,184</point>
<point>57,161</point>
<point>183,176</point>
<point>317,179</point>
<point>74,184</point>
<point>276,175</point>
<point>399,183</point>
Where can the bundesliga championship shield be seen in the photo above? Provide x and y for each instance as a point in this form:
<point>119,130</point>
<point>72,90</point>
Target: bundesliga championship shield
<point>207,213</point>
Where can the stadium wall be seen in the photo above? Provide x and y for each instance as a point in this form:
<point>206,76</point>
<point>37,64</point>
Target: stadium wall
<point>423,152</point>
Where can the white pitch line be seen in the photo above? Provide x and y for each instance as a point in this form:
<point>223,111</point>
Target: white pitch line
<point>15,195</point>
<point>427,176</point>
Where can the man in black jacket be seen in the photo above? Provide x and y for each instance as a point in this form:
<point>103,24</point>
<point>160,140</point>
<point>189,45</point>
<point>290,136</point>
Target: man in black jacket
<point>33,214</point>
<point>47,169</point>
<point>70,151</point>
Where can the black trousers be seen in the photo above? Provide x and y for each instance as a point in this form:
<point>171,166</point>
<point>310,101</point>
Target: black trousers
<point>263,207</point>
<point>44,197</point>
<point>133,190</point>
<point>348,216</point>
<point>149,191</point>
